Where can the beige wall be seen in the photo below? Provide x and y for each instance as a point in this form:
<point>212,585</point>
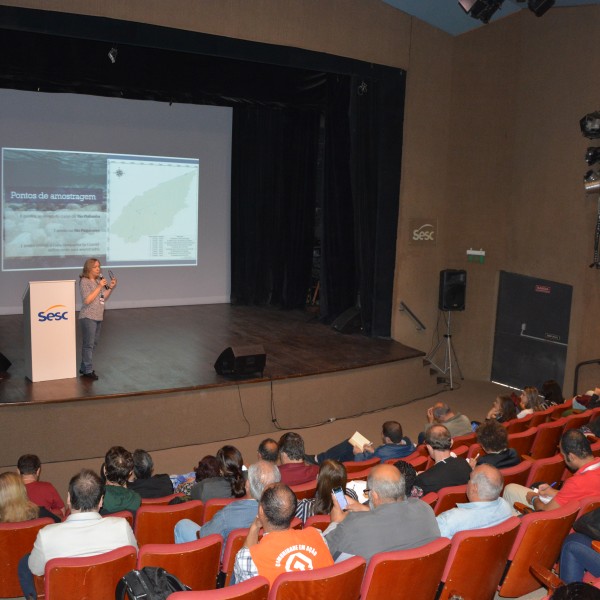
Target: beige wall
<point>492,148</point>
<point>510,179</point>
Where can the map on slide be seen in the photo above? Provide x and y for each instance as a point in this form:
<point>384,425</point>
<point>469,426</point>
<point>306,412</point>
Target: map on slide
<point>152,210</point>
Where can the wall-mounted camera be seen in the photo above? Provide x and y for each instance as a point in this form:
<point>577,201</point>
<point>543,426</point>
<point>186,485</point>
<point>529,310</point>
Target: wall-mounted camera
<point>590,125</point>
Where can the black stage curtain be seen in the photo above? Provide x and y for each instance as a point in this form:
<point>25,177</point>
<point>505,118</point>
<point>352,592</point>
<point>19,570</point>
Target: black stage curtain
<point>281,97</point>
<point>338,272</point>
<point>273,193</point>
<point>360,206</point>
<point>364,160</point>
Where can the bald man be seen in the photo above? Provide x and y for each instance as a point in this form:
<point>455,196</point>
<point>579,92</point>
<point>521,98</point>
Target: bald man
<point>391,522</point>
<point>485,507</point>
<point>448,470</point>
<point>441,414</point>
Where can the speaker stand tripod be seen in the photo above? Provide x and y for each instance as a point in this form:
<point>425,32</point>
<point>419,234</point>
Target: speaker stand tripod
<point>446,343</point>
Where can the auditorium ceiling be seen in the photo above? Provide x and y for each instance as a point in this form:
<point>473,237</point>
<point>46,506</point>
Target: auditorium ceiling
<point>450,17</point>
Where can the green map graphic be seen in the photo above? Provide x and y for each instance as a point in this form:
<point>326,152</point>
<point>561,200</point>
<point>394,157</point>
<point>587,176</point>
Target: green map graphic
<point>153,211</point>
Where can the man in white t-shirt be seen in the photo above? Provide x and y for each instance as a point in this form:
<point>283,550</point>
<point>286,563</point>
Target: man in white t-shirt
<point>84,533</point>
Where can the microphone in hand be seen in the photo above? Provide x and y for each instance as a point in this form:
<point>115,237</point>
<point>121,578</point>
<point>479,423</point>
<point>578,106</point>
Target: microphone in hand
<point>106,286</point>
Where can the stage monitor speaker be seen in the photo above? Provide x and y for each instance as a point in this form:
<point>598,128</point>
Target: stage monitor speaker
<point>4,363</point>
<point>453,287</point>
<point>349,321</point>
<point>240,361</point>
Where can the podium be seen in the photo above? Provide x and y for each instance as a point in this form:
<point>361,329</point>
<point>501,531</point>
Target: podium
<point>49,330</point>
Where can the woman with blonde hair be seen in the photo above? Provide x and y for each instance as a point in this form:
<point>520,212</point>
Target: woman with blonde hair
<point>95,291</point>
<point>530,402</point>
<point>15,506</point>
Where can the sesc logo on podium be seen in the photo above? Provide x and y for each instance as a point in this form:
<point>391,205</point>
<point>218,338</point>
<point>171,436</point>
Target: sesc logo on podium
<point>423,231</point>
<point>51,314</point>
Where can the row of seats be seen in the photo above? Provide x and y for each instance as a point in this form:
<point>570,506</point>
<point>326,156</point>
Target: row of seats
<point>552,413</point>
<point>155,522</point>
<point>436,570</point>
<point>153,528</point>
<point>534,442</point>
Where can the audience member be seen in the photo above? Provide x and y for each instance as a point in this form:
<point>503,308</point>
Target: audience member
<point>578,557</point>
<point>441,414</point>
<point>293,468</point>
<point>118,467</point>
<point>485,507</point>
<point>332,474</point>
<point>238,514</point>
<point>530,402</point>
<point>582,402</point>
<point>579,459</point>
<point>392,521</point>
<point>448,470</point>
<point>552,393</point>
<point>503,409</point>
<point>395,445</point>
<point>281,549</point>
<point>230,483</point>
<point>15,506</point>
<point>410,475</point>
<point>207,467</point>
<point>493,438</point>
<point>41,493</point>
<point>146,484</point>
<point>83,533</point>
<point>268,450</point>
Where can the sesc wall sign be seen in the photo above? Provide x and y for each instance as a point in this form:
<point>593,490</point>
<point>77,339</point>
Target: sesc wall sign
<point>422,232</point>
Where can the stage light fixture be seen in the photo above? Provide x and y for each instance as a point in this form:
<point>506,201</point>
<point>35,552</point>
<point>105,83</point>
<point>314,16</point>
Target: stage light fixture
<point>591,181</point>
<point>592,155</point>
<point>590,125</point>
<point>481,9</point>
<point>539,7</point>
<point>112,55</point>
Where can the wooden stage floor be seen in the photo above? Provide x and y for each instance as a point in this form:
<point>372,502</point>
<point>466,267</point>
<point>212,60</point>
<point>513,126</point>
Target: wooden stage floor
<point>150,350</point>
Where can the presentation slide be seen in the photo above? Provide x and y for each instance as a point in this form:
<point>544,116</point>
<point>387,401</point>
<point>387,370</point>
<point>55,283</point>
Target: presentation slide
<point>143,186</point>
<point>60,207</point>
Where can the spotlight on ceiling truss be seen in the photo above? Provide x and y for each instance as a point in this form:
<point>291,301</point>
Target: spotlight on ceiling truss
<point>591,181</point>
<point>592,155</point>
<point>539,7</point>
<point>590,125</point>
<point>481,9</point>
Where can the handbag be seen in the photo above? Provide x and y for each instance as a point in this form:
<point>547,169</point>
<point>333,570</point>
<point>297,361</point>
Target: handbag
<point>589,524</point>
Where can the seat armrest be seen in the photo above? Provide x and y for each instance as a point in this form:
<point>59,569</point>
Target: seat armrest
<point>550,580</point>
<point>523,509</point>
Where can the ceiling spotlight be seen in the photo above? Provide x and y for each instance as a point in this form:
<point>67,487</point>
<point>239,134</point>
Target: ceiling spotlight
<point>481,9</point>
<point>590,125</point>
<point>591,181</point>
<point>112,55</point>
<point>539,7</point>
<point>592,155</point>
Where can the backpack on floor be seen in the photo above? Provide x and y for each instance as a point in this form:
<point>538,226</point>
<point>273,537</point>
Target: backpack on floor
<point>149,583</point>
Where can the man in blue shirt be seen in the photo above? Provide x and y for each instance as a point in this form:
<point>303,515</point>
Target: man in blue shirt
<point>238,514</point>
<point>485,507</point>
<point>395,445</point>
